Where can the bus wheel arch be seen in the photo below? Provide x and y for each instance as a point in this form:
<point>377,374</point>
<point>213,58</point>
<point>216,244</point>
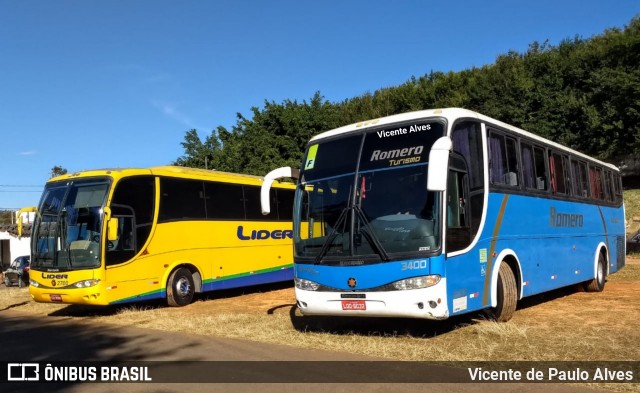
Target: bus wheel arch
<point>600,270</point>
<point>182,284</point>
<point>506,286</point>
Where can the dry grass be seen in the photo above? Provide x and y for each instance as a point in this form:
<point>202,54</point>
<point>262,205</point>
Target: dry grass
<point>632,210</point>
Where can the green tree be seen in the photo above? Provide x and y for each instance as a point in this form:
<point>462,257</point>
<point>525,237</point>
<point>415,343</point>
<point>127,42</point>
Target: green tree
<point>7,217</point>
<point>198,154</point>
<point>584,93</point>
<point>58,171</point>
<point>275,136</point>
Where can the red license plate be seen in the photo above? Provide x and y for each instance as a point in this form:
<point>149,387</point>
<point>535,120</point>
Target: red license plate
<point>56,298</point>
<point>349,305</point>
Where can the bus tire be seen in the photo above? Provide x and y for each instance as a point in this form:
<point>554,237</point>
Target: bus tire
<point>597,283</point>
<point>180,288</point>
<point>507,295</point>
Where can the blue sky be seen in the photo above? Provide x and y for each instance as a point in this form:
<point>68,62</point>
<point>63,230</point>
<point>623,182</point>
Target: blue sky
<point>96,84</point>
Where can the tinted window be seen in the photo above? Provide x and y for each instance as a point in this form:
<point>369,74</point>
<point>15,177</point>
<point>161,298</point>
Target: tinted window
<point>138,193</point>
<point>503,163</point>
<point>253,211</point>
<point>225,201</point>
<point>534,170</point>
<point>584,180</point>
<point>608,186</point>
<point>595,178</point>
<point>285,204</point>
<point>467,143</point>
<point>617,188</point>
<point>181,199</point>
<point>331,158</point>
<point>556,168</point>
<point>133,204</point>
<point>399,145</point>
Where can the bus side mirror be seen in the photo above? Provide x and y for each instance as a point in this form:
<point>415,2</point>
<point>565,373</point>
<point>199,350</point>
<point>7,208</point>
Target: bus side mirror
<point>112,229</point>
<point>19,215</point>
<point>268,181</point>
<point>439,164</point>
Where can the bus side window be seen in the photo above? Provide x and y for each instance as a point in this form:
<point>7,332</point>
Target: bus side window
<point>534,170</point>
<point>558,174</point>
<point>458,228</point>
<point>608,186</point>
<point>456,216</point>
<point>584,180</point>
<point>124,248</point>
<point>468,144</point>
<point>503,165</point>
<point>595,178</point>
<point>134,203</point>
<point>617,188</point>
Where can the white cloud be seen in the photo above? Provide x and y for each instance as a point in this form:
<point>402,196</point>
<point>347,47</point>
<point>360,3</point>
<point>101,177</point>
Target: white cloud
<point>27,153</point>
<point>170,111</point>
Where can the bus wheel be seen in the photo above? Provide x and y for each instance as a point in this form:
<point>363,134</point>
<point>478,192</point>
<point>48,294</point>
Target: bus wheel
<point>507,295</point>
<point>180,288</point>
<point>597,284</point>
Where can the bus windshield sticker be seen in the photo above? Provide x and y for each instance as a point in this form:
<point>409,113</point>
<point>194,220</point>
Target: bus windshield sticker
<point>403,130</point>
<point>406,144</point>
<point>311,157</point>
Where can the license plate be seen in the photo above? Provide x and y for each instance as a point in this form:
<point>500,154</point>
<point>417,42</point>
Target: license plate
<point>349,305</point>
<point>56,298</point>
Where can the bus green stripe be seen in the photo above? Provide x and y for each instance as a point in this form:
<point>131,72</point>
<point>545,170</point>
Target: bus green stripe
<point>239,275</point>
<point>245,274</point>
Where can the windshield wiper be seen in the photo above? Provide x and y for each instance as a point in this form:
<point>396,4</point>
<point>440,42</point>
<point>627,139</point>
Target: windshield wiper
<point>62,235</point>
<point>371,236</point>
<point>334,232</point>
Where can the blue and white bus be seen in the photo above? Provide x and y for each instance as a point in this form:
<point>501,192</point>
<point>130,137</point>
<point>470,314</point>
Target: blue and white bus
<point>442,212</point>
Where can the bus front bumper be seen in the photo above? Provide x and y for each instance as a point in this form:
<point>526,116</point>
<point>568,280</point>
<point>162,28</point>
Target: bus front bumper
<point>87,296</point>
<point>426,303</point>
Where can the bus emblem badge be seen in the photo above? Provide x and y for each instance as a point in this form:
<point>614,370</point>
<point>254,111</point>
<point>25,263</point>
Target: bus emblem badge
<point>351,282</point>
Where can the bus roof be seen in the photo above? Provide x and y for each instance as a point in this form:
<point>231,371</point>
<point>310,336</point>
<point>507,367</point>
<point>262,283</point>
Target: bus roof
<point>168,171</point>
<point>451,114</point>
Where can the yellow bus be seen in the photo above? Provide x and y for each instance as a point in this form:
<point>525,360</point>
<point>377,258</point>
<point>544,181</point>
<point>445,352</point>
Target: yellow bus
<point>124,235</point>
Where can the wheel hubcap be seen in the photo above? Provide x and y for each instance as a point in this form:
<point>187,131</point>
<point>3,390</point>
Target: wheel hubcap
<point>183,287</point>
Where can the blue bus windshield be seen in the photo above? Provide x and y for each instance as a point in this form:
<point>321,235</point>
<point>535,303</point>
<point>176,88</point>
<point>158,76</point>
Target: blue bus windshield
<point>365,196</point>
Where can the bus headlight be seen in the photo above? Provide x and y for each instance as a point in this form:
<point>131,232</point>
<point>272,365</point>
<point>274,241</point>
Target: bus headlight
<point>86,283</point>
<point>34,283</point>
<point>416,282</point>
<point>306,285</point>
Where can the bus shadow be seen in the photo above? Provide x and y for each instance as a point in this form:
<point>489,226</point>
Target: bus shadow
<point>102,311</point>
<point>79,311</point>
<point>240,291</point>
<point>379,326</point>
<point>545,297</point>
